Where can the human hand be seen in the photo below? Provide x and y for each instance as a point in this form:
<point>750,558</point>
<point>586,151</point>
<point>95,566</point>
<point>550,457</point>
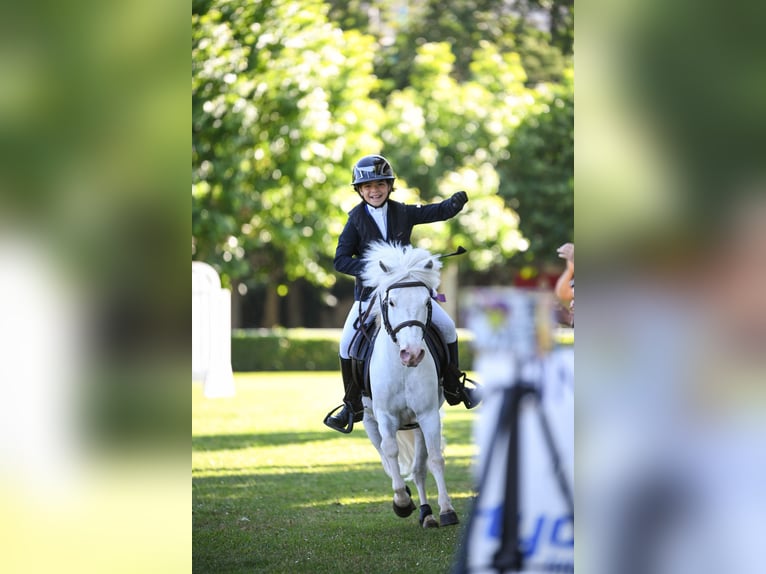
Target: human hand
<point>459,199</point>
<point>566,251</point>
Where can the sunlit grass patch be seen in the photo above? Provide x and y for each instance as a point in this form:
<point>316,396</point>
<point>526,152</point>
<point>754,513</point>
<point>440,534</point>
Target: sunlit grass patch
<point>274,490</point>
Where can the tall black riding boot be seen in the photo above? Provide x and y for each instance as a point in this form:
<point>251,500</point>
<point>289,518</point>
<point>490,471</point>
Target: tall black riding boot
<point>352,411</point>
<point>455,391</point>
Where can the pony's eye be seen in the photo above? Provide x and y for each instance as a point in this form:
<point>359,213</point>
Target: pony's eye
<point>390,303</point>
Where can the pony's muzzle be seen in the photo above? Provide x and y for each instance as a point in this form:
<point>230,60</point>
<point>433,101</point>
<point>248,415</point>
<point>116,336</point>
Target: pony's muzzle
<point>410,357</point>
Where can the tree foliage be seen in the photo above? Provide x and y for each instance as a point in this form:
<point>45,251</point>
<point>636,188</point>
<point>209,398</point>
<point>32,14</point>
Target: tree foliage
<point>280,110</point>
<point>447,136</point>
<point>538,174</point>
<point>287,94</point>
<point>541,32</point>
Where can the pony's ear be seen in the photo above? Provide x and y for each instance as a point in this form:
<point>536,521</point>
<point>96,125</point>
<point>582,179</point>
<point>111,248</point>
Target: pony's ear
<point>383,267</point>
<point>430,264</point>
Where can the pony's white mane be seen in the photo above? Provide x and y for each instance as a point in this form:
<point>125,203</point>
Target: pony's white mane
<point>403,263</point>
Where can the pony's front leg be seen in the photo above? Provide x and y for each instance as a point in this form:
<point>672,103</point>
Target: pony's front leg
<point>403,505</point>
<point>431,426</point>
<point>373,432</point>
<point>426,519</point>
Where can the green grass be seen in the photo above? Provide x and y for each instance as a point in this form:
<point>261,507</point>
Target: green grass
<point>274,490</point>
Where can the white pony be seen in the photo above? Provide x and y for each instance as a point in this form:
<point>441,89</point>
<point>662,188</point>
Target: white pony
<point>403,375</point>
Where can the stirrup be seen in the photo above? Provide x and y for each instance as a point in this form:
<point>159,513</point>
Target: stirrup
<point>470,398</point>
<point>345,429</point>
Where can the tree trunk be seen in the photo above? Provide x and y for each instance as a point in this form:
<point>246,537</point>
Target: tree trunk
<point>295,316</point>
<point>236,307</point>
<point>271,307</point>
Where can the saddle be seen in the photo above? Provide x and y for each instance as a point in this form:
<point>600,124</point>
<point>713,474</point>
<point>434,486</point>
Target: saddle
<point>363,343</point>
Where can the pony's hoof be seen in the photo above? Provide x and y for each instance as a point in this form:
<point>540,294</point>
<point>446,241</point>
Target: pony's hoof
<point>405,511</point>
<point>426,518</point>
<point>448,518</point>
<point>430,522</point>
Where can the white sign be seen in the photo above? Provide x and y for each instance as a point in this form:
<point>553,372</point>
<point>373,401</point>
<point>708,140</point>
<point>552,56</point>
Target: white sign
<point>523,517</point>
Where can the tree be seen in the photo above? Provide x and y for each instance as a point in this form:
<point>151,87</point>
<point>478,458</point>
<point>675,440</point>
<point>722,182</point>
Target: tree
<point>284,101</point>
<point>537,178</point>
<point>273,139</point>
<point>540,32</point>
<point>444,136</point>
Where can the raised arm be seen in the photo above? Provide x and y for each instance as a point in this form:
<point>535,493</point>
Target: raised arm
<point>441,211</point>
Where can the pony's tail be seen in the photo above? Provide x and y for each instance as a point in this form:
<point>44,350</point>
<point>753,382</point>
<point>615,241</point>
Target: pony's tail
<point>406,441</point>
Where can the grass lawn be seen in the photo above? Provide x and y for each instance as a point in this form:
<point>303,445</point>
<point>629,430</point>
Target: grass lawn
<point>274,490</point>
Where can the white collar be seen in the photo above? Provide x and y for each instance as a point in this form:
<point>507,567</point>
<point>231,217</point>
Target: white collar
<point>379,216</point>
<point>376,210</point>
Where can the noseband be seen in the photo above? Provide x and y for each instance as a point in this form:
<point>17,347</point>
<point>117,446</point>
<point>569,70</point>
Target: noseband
<point>392,331</point>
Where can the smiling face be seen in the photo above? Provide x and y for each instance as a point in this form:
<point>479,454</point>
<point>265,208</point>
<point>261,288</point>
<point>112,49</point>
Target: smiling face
<point>375,192</point>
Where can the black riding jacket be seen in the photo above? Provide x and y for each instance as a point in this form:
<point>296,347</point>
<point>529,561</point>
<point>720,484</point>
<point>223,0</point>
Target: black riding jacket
<point>361,230</point>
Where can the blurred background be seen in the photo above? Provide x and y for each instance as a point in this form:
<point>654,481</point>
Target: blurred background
<point>94,303</point>
<point>94,109</point>
<point>671,321</point>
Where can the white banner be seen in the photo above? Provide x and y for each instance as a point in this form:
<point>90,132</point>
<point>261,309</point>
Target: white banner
<point>523,516</point>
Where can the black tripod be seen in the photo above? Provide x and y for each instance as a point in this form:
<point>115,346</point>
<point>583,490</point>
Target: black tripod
<point>509,557</point>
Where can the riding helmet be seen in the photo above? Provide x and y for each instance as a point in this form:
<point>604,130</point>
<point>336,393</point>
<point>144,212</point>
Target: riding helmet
<point>372,168</point>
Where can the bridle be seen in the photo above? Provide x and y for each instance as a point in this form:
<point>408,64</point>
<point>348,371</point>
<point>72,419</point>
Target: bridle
<point>392,331</point>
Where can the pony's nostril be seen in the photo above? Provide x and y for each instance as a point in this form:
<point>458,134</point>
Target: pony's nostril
<point>416,359</point>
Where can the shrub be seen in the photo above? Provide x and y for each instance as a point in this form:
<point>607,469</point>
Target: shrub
<point>299,350</point>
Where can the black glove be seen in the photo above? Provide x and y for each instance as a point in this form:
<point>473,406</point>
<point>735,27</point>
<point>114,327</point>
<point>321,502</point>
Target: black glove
<point>459,199</point>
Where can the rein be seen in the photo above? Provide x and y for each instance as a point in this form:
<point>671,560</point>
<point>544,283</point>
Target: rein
<point>392,331</point>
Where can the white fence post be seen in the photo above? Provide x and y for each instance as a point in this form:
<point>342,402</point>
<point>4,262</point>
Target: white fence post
<point>211,332</point>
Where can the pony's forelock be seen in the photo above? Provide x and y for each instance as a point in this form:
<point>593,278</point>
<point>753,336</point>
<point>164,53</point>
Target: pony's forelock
<point>402,262</point>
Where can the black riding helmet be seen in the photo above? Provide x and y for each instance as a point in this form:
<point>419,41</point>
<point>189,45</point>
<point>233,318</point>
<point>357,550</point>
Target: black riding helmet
<point>372,168</point>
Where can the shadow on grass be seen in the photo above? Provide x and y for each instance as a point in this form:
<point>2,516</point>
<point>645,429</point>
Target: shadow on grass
<point>324,506</point>
<point>328,519</point>
<point>227,481</point>
<point>248,440</point>
<point>455,433</point>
